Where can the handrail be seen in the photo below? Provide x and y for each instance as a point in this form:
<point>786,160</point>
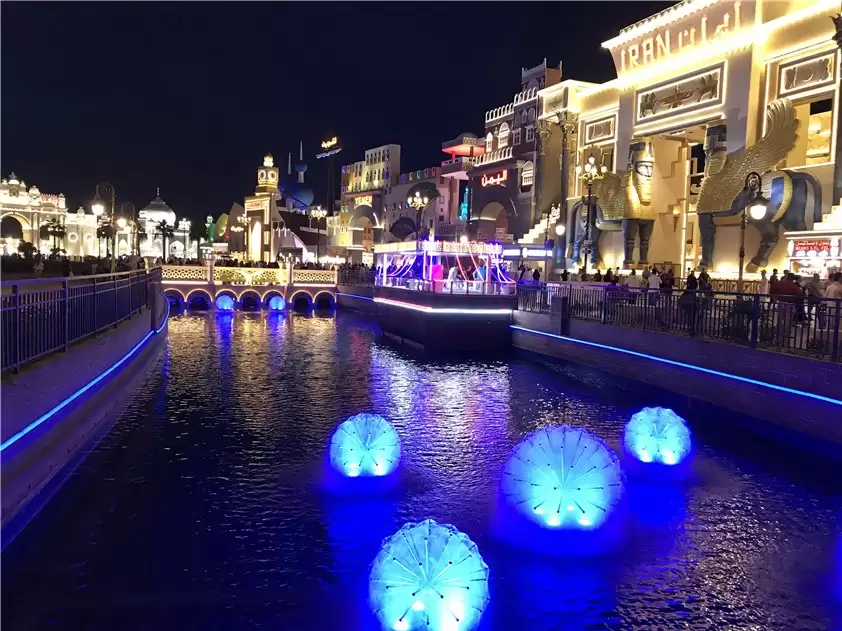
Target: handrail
<point>58,279</point>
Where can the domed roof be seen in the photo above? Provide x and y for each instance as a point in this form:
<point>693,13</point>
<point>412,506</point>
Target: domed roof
<point>298,195</point>
<point>158,209</point>
<point>301,167</point>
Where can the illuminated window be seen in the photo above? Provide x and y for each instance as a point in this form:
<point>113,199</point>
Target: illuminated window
<point>530,133</point>
<point>503,136</point>
<point>418,175</point>
<point>489,142</point>
<point>516,137</point>
<point>531,114</point>
<point>527,175</point>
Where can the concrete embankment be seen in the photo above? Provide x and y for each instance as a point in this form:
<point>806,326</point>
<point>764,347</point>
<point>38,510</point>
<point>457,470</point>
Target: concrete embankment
<point>58,407</point>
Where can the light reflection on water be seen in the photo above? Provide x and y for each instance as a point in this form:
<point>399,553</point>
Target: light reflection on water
<point>203,508</point>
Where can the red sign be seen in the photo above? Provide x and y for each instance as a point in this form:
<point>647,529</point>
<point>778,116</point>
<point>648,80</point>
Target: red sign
<point>814,245</point>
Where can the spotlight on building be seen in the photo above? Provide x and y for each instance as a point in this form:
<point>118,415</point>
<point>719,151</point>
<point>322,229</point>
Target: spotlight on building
<point>428,576</point>
<point>121,223</point>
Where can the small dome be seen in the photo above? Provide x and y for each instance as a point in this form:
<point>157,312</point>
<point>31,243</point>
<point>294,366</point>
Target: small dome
<point>34,191</point>
<point>268,160</point>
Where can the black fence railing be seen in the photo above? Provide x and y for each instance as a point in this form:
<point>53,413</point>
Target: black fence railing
<point>808,327</point>
<point>39,317</point>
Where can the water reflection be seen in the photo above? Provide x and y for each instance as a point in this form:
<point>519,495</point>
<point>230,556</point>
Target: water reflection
<point>203,507</point>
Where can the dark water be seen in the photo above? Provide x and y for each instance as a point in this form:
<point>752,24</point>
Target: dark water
<point>201,509</point>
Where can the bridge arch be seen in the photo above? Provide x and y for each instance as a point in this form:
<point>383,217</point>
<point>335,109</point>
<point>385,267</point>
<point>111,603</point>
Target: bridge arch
<point>301,294</point>
<point>198,298</point>
<point>250,299</point>
<point>226,291</point>
<point>324,296</point>
<point>175,294</point>
<point>267,295</point>
<point>247,291</point>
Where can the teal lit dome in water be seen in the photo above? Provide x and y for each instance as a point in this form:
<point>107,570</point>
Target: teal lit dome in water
<point>277,303</point>
<point>658,435</point>
<point>428,576</point>
<point>225,303</point>
<point>563,477</point>
<point>365,445</point>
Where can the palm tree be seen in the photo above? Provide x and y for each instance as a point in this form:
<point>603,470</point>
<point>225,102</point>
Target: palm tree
<point>105,231</point>
<point>140,235</point>
<point>57,231</point>
<point>167,232</point>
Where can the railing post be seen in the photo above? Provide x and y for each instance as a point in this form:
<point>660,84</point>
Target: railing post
<point>755,321</point>
<point>17,321</point>
<point>96,317</point>
<point>116,304</point>
<point>604,310</point>
<point>835,353</point>
<point>66,297</point>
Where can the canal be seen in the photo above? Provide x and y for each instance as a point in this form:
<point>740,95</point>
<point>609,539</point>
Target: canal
<point>202,508</point>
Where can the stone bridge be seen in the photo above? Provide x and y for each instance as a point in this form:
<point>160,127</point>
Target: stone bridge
<point>192,283</point>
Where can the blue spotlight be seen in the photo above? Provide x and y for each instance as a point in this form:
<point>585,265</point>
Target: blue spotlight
<point>563,477</point>
<point>277,303</point>
<point>225,303</point>
<point>658,435</point>
<point>365,445</point>
<point>428,576</point>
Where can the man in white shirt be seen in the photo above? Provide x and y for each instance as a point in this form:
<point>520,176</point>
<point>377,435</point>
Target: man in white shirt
<point>654,282</point>
<point>764,284</point>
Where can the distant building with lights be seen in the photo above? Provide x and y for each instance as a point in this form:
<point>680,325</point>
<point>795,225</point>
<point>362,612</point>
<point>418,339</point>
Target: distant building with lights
<point>507,195</point>
<point>26,213</point>
<point>150,218</point>
<point>694,85</point>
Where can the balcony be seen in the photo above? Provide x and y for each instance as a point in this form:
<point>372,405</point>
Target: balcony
<point>492,156</point>
<point>457,167</point>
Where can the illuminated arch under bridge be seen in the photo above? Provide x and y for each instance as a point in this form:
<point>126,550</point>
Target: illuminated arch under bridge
<point>193,284</point>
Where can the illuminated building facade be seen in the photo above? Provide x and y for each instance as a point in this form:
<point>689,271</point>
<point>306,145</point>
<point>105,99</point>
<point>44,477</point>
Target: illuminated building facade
<point>441,216</point>
<point>26,214</point>
<point>508,196</point>
<point>694,85</point>
<point>363,186</point>
<point>150,219</point>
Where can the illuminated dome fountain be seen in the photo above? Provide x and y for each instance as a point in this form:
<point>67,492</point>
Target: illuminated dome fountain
<point>563,478</point>
<point>658,435</point>
<point>428,576</point>
<point>365,445</point>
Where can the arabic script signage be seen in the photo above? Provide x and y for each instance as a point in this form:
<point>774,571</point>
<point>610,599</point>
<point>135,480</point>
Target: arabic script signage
<point>700,90</point>
<point>495,179</point>
<point>327,144</point>
<point>695,29</point>
<point>260,204</point>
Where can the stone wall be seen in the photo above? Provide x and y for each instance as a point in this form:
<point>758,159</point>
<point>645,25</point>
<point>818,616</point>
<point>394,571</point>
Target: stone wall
<point>814,417</point>
<point>30,464</point>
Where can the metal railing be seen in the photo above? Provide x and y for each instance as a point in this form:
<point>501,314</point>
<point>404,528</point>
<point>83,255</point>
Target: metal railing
<point>42,316</point>
<point>453,287</point>
<point>808,327</point>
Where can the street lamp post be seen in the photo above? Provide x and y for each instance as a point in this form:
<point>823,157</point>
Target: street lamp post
<point>590,174</point>
<point>105,191</point>
<point>756,208</point>
<point>419,204</point>
<point>318,213</point>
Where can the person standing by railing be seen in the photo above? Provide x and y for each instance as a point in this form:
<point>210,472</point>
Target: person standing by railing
<point>813,289</point>
<point>763,285</point>
<point>654,286</point>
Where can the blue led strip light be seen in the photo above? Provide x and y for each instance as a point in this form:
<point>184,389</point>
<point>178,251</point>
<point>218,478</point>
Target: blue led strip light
<point>671,362</point>
<point>45,417</point>
<point>339,293</point>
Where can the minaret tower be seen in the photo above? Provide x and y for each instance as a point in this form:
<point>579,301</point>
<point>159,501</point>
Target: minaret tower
<point>267,177</point>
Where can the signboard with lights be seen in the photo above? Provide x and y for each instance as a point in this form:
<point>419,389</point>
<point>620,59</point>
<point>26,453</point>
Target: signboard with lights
<point>495,179</point>
<point>260,204</point>
<point>329,147</point>
<point>363,200</point>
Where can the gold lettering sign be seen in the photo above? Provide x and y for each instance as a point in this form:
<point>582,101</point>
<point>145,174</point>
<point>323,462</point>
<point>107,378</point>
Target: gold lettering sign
<point>363,200</point>
<point>257,204</point>
<point>327,144</point>
<point>696,28</point>
<point>495,179</point>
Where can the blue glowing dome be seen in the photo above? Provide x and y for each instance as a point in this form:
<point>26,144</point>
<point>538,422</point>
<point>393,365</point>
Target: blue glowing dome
<point>301,167</point>
<point>225,303</point>
<point>563,477</point>
<point>658,435</point>
<point>428,576</point>
<point>277,303</point>
<point>365,445</point>
<point>298,195</point>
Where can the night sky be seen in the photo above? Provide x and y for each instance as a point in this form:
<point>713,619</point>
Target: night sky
<point>189,96</point>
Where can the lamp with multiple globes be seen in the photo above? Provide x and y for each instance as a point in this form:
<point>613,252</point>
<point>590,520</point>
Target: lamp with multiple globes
<point>756,208</point>
<point>318,213</point>
<point>419,203</point>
